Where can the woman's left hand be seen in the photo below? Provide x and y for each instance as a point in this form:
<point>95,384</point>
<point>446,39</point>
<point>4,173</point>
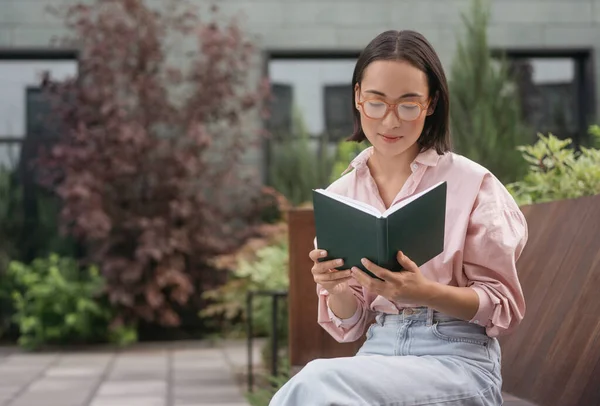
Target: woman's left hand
<point>407,286</point>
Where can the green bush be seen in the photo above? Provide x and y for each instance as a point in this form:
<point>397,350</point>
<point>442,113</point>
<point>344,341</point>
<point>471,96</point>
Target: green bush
<point>557,171</point>
<point>346,152</point>
<point>265,392</point>
<point>485,117</point>
<point>56,302</point>
<point>267,269</point>
<point>298,162</point>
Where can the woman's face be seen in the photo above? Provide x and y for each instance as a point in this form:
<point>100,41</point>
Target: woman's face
<point>392,82</point>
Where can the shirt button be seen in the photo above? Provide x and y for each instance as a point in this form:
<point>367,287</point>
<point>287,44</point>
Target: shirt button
<point>476,321</point>
<point>414,167</point>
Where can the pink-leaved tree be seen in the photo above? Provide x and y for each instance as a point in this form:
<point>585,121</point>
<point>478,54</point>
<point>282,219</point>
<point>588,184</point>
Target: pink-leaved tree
<point>149,160</point>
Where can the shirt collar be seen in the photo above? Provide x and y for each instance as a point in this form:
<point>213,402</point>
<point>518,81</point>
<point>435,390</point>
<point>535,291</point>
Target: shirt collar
<point>427,158</point>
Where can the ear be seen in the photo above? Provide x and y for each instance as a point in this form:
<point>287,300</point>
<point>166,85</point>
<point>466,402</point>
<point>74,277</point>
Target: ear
<point>356,95</point>
<point>433,104</point>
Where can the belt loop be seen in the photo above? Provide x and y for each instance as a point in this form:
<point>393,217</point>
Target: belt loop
<point>429,317</point>
<point>379,318</point>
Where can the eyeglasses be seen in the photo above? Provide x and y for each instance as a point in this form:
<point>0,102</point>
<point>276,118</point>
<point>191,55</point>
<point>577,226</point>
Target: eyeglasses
<point>378,109</point>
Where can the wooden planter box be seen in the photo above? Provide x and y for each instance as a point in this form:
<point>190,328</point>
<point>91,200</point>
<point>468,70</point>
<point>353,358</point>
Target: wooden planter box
<point>553,359</point>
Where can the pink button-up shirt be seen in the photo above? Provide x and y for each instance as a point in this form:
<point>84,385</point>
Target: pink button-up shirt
<point>484,236</point>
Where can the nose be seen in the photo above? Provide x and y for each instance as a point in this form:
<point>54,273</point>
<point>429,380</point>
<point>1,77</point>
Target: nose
<point>391,120</point>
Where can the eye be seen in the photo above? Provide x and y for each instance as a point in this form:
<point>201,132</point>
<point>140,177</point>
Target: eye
<point>375,104</point>
<point>409,107</point>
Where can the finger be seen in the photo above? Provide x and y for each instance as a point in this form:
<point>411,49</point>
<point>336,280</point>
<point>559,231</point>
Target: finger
<point>324,267</point>
<point>406,262</point>
<point>377,270</point>
<point>366,281</point>
<point>333,276</point>
<point>316,254</point>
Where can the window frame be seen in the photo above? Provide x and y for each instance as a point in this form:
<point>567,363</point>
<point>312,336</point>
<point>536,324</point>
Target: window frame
<point>269,55</point>
<point>585,80</point>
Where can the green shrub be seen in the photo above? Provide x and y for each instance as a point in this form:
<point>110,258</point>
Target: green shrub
<point>58,303</point>
<point>485,117</point>
<point>557,171</point>
<point>346,152</point>
<point>266,269</point>
<point>265,392</point>
<point>299,163</point>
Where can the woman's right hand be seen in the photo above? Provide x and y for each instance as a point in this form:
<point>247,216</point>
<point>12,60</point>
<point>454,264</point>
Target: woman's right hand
<point>325,274</point>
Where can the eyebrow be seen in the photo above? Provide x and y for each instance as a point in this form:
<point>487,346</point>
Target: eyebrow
<point>377,92</point>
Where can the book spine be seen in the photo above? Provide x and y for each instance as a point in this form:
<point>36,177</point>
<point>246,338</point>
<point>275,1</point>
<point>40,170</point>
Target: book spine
<point>382,241</point>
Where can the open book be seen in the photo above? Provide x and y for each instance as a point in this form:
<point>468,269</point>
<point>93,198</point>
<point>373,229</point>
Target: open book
<point>352,230</point>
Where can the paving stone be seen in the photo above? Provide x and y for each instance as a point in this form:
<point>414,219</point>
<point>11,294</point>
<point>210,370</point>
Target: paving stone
<point>20,378</point>
<point>201,363</point>
<point>7,393</point>
<point>74,372</point>
<point>138,375</point>
<point>54,398</point>
<point>198,353</point>
<point>217,379</point>
<point>4,400</point>
<point>88,360</point>
<point>38,360</point>
<point>62,384</point>
<point>192,376</point>
<point>128,401</point>
<point>210,394</point>
<point>133,388</point>
<point>210,403</point>
<point>9,390</point>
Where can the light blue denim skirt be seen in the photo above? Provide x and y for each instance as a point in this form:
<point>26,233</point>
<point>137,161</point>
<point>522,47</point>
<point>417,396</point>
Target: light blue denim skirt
<point>418,357</point>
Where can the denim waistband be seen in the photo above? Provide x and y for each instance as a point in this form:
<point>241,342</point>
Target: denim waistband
<point>425,314</point>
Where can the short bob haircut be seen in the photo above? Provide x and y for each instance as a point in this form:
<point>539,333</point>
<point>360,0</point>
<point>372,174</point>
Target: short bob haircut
<point>412,47</point>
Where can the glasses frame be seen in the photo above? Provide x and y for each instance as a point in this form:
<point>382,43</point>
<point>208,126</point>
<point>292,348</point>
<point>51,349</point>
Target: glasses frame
<point>392,106</point>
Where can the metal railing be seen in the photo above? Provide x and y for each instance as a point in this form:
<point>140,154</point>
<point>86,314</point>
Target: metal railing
<point>275,295</point>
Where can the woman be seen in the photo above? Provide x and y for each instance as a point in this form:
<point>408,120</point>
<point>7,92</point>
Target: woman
<point>433,339</point>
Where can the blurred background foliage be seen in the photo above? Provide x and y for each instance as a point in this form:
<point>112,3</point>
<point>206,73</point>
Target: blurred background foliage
<point>40,263</point>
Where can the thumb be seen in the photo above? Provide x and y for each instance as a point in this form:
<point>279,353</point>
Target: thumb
<point>406,262</point>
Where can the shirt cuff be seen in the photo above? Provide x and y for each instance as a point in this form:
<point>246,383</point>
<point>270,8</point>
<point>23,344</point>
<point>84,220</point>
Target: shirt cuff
<point>335,319</point>
<point>484,314</point>
<point>344,322</point>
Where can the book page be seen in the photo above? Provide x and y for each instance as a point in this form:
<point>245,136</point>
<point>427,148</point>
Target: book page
<point>406,201</point>
<point>367,208</point>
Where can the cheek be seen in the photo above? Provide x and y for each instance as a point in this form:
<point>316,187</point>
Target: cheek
<point>416,127</point>
<point>369,126</point>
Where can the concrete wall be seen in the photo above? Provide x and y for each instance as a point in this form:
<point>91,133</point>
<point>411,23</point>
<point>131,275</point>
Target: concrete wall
<point>349,24</point>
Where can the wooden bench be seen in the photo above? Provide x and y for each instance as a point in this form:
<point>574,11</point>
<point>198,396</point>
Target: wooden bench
<point>553,359</point>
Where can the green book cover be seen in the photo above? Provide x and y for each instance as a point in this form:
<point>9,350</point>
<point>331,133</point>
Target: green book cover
<point>351,230</point>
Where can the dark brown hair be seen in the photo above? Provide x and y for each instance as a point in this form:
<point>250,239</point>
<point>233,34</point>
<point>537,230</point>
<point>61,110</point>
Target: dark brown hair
<point>412,47</point>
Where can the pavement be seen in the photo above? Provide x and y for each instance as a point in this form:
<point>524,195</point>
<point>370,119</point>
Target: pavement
<point>165,374</point>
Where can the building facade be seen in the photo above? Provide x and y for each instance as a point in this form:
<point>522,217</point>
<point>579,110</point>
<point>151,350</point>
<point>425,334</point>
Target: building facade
<point>310,46</point>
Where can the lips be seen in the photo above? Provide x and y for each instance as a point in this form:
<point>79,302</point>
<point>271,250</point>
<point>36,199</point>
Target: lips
<point>390,138</point>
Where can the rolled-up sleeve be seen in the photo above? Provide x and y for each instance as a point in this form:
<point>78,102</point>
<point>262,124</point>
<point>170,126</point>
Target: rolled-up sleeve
<point>344,330</point>
<point>495,239</point>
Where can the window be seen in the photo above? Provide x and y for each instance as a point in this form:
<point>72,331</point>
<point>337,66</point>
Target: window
<point>21,103</point>
<point>555,92</point>
<point>280,121</point>
<point>24,127</point>
<point>339,122</point>
<point>319,90</point>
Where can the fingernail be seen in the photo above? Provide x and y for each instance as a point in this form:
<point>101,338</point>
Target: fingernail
<point>323,253</point>
<point>364,261</point>
<point>339,262</point>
